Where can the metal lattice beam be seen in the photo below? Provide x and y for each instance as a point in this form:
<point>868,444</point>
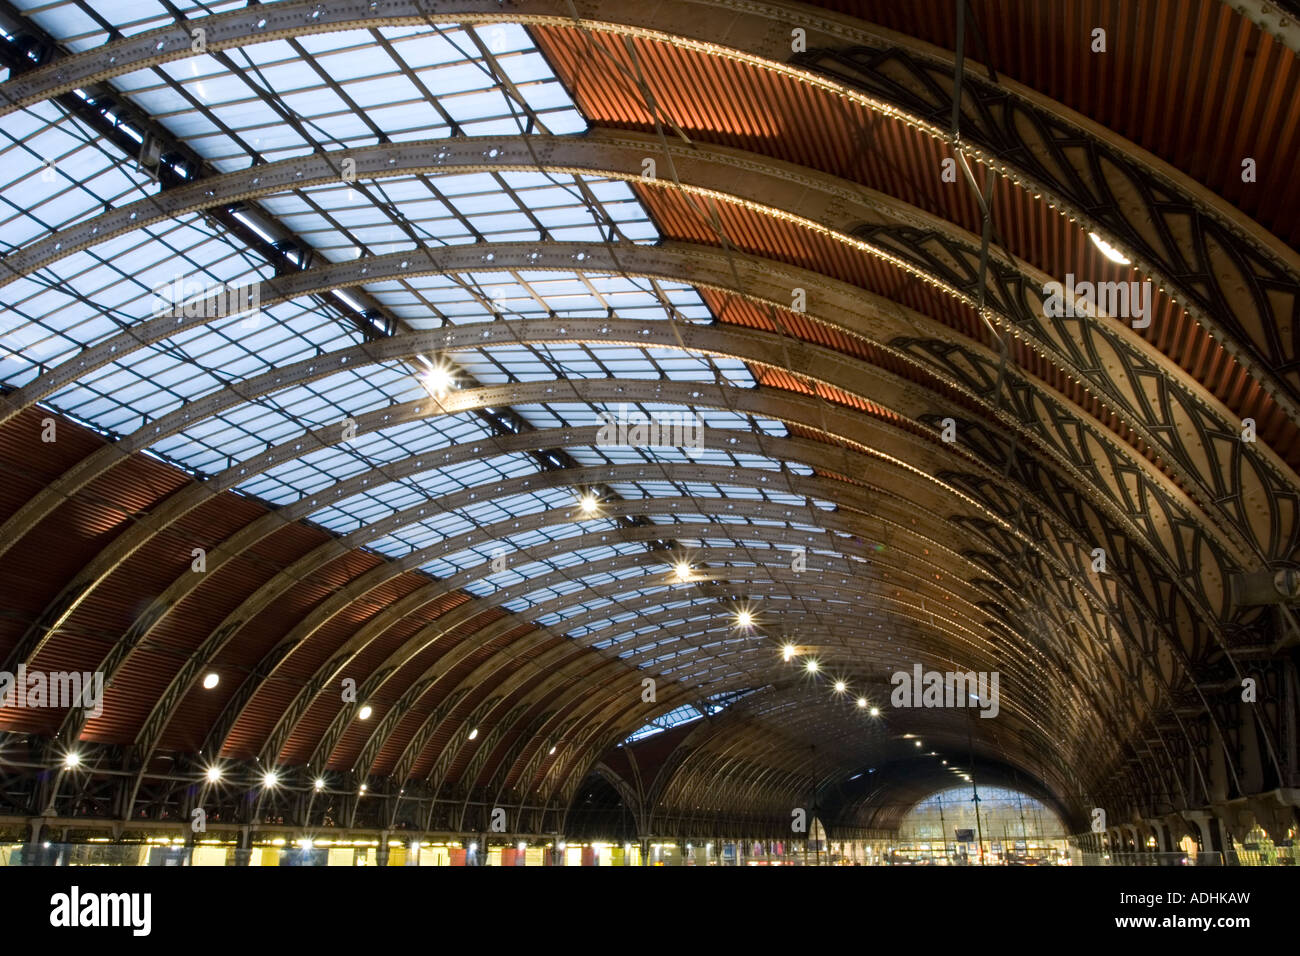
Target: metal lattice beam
<point>1114,192</point>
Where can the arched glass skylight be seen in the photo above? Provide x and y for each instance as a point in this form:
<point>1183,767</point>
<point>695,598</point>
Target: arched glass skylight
<point>435,489</point>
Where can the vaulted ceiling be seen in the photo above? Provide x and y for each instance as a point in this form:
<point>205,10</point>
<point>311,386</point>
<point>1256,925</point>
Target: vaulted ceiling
<point>471,229</point>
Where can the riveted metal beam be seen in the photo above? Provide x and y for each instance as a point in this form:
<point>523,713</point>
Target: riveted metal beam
<point>1278,18</point>
<point>1181,424</point>
<point>542,257</point>
<point>1111,193</point>
<point>351,592</point>
<point>816,363</point>
<point>628,333</point>
<point>199,660</point>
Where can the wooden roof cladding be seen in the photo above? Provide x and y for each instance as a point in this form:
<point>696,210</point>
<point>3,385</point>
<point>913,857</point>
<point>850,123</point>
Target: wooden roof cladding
<point>1192,81</point>
<point>725,101</point>
<point>70,537</point>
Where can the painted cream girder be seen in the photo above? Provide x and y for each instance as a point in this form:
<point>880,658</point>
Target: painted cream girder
<point>1244,494</point>
<point>1235,278</point>
<point>503,528</point>
<point>1281,18</point>
<point>443,625</point>
<point>313,368</point>
<point>1241,505</point>
<point>680,392</point>
<point>1178,542</point>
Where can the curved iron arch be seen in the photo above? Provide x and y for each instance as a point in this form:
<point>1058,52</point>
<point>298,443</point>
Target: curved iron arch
<point>833,63</point>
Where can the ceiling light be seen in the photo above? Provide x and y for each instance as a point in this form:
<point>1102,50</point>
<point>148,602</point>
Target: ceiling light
<point>862,702</point>
<point>875,711</point>
<point>366,711</point>
<point>270,779</point>
<point>918,743</point>
<point>320,784</point>
<point>347,299</point>
<point>588,504</point>
<point>210,680</point>
<point>473,733</point>
<point>254,225</point>
<point>811,667</point>
<point>437,380</point>
<point>72,760</point>
<point>552,753</point>
<point>682,570</point>
<point>1109,251</point>
<point>364,788</point>
<point>213,774</point>
<point>744,619</point>
<point>840,687</point>
<point>787,651</point>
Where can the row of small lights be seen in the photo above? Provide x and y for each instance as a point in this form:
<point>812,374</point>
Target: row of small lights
<point>589,505</point>
<point>214,774</point>
<point>437,379</point>
<point>72,760</point>
<point>270,779</point>
<point>745,621</point>
<point>789,652</point>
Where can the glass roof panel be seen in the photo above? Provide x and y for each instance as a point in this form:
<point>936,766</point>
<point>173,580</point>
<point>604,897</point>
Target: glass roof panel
<point>338,91</point>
